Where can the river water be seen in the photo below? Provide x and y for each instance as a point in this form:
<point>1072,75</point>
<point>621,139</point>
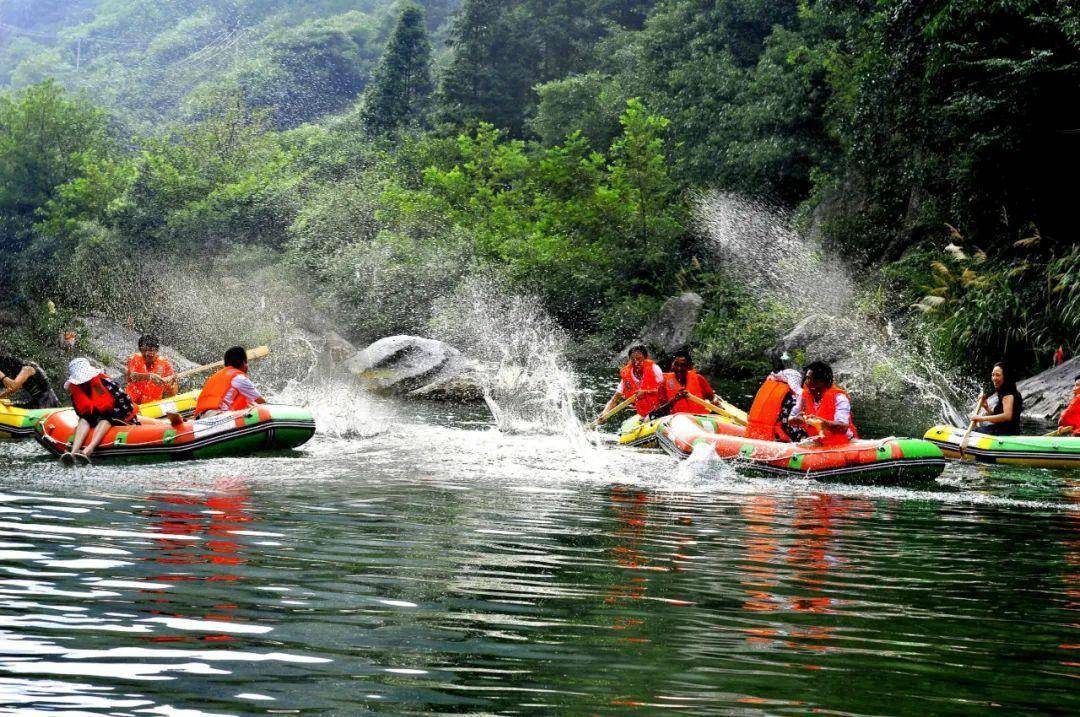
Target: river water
<point>417,561</point>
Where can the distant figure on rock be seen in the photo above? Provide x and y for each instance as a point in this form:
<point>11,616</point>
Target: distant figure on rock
<point>229,389</point>
<point>150,376</point>
<point>824,410</point>
<point>21,375</point>
<point>640,379</point>
<point>1070,419</point>
<point>1003,419</point>
<point>682,383</point>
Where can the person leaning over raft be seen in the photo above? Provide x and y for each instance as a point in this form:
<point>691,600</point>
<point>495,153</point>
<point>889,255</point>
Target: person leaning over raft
<point>229,389</point>
<point>100,404</point>
<point>1004,418</point>
<point>17,374</point>
<point>1070,419</point>
<point>641,379</point>
<point>824,409</point>
<point>149,375</point>
<point>684,381</point>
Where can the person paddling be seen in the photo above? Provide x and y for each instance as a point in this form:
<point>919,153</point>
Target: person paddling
<point>769,418</point>
<point>229,389</point>
<point>824,409</point>
<point>1003,419</point>
<point>20,375</point>
<point>683,381</point>
<point>150,376</point>
<point>100,404</point>
<point>640,379</point>
<point>1070,419</point>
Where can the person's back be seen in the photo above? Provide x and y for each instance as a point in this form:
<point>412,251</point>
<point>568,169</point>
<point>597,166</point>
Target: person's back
<point>229,389</point>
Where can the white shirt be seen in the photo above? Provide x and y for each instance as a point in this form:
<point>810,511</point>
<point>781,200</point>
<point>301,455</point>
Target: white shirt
<point>242,385</point>
<point>626,391</point>
<point>843,409</point>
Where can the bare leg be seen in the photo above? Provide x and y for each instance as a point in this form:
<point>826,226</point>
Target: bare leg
<point>80,435</point>
<point>99,432</point>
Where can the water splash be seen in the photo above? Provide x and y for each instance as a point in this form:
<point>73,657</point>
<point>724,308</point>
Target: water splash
<point>528,383</point>
<point>755,241</point>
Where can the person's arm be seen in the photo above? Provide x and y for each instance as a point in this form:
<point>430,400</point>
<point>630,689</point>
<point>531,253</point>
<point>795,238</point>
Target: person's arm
<point>247,389</point>
<point>842,419</point>
<point>168,379</point>
<point>796,416</point>
<point>1008,403</point>
<point>11,385</point>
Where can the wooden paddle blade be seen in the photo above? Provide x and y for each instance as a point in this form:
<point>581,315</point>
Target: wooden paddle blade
<point>258,352</point>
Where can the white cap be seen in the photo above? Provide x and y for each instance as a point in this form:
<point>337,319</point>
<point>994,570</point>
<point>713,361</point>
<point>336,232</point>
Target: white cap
<point>80,371</point>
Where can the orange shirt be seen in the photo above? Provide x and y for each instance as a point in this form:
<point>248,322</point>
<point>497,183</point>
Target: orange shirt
<point>147,391</point>
<point>1071,417</point>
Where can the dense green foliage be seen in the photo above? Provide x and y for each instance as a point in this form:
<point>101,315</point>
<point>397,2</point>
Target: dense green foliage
<point>386,158</point>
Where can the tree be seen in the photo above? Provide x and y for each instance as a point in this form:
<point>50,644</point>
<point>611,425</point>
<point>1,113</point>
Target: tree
<point>401,91</point>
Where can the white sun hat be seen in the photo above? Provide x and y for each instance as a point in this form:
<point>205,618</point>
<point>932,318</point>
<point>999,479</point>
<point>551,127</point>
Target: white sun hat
<point>80,371</point>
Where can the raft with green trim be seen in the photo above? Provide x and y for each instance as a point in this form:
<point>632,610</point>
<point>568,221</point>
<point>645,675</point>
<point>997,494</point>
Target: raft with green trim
<point>236,433</point>
<point>1035,451</point>
<point>18,423</point>
<point>888,460</point>
<point>638,433</point>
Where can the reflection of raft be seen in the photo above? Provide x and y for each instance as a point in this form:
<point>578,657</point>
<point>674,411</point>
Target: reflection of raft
<point>636,433</point>
<point>19,423</point>
<point>891,460</point>
<point>1038,451</point>
<point>263,427</point>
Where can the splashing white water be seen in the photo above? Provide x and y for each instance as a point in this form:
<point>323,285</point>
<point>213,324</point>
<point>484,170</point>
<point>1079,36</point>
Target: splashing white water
<point>757,244</point>
<point>528,383</point>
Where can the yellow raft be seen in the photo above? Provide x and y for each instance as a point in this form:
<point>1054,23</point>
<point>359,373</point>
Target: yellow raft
<point>1035,451</point>
<point>18,423</point>
<point>636,433</point>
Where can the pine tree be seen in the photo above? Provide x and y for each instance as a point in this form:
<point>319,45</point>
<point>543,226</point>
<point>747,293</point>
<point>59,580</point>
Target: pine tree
<point>400,93</point>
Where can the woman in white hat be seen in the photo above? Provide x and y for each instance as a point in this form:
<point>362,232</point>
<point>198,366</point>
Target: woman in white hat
<point>100,404</point>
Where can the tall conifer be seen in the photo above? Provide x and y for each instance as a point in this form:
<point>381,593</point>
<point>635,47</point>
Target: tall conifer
<point>400,92</point>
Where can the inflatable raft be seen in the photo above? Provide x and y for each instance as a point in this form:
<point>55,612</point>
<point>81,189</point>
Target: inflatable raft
<point>262,427</point>
<point>19,423</point>
<point>1036,451</point>
<point>889,460</point>
<point>636,433</point>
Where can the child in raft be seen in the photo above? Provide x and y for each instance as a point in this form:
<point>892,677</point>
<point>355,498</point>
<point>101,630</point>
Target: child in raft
<point>100,404</point>
<point>1070,419</point>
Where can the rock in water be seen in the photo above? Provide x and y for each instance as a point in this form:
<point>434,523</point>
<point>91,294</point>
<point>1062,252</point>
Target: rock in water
<point>1047,394</point>
<point>673,325</point>
<point>419,368</point>
<point>817,338</point>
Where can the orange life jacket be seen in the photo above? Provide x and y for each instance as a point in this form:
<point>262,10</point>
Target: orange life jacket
<point>647,403</point>
<point>826,408</point>
<point>763,421</point>
<point>1071,417</point>
<point>213,393</point>
<point>695,386</point>
<point>147,391</point>
<point>92,397</point>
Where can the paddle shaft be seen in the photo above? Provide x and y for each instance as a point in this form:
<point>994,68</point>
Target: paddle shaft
<point>252,354</point>
<point>971,426</point>
<point>608,414</point>
<point>727,410</point>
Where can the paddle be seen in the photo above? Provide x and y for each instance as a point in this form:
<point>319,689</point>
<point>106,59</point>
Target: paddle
<point>724,409</point>
<point>1063,431</point>
<point>608,414</point>
<point>256,353</point>
<point>971,426</point>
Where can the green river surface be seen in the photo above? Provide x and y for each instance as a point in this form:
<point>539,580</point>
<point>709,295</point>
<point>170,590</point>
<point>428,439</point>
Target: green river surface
<point>414,560</point>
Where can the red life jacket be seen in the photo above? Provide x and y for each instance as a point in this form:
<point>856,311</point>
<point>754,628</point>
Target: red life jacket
<point>763,421</point>
<point>631,385</point>
<point>1071,417</point>
<point>92,397</point>
<point>213,393</point>
<point>826,408</point>
<point>695,386</point>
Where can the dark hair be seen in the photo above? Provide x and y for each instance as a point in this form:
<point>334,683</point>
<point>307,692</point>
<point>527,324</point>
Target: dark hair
<point>683,353</point>
<point>822,372</point>
<point>1076,377</point>
<point>148,341</point>
<point>1008,384</point>
<point>236,357</point>
<point>640,347</point>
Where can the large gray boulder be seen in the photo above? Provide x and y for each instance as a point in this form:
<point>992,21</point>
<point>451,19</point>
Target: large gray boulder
<point>673,326</point>
<point>418,368</point>
<point>114,343</point>
<point>816,338</point>
<point>1047,394</point>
